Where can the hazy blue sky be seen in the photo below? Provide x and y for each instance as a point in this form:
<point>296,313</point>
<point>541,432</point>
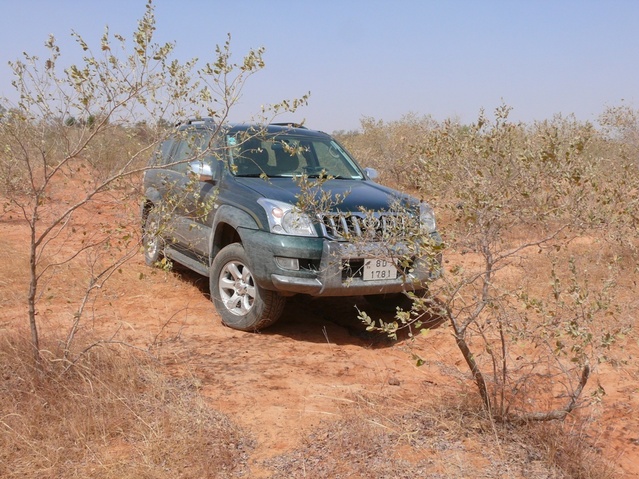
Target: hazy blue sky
<point>379,59</point>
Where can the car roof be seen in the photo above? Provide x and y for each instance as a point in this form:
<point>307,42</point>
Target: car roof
<point>270,129</point>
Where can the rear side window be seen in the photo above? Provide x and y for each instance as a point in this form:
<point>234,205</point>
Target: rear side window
<point>161,154</point>
<point>180,156</point>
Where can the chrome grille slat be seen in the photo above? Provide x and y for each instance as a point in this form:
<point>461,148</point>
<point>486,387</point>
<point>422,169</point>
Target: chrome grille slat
<point>374,226</point>
<point>357,226</point>
<point>343,223</point>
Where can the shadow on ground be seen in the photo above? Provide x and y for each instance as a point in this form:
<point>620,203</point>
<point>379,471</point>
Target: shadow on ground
<point>334,320</point>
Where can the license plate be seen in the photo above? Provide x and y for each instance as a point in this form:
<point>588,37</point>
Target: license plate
<point>379,269</point>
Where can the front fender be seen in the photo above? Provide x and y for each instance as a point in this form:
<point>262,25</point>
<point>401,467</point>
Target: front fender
<point>152,195</point>
<point>230,218</point>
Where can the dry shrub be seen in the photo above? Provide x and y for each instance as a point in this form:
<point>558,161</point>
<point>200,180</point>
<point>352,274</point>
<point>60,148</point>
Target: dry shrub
<point>541,224</point>
<point>448,437</point>
<point>569,447</point>
<point>555,170</point>
<point>389,147</point>
<point>114,149</point>
<point>112,414</point>
<point>116,145</point>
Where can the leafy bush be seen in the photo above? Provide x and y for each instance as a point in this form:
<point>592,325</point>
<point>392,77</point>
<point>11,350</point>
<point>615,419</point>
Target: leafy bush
<point>513,199</point>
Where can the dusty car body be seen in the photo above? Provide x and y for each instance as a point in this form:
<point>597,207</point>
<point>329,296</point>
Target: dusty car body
<point>271,211</point>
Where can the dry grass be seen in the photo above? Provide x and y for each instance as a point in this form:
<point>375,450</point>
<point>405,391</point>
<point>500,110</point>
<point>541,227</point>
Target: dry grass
<point>570,446</point>
<point>113,414</point>
<point>446,437</point>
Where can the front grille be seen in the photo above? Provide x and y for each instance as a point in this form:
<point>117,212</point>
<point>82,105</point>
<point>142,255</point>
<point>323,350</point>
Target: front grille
<point>370,226</point>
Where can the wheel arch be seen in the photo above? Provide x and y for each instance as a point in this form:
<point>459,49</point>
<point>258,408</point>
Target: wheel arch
<point>225,234</point>
<point>151,198</point>
<point>227,227</point>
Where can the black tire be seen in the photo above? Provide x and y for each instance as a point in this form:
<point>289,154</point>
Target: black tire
<point>152,242</point>
<point>241,303</point>
<point>389,303</point>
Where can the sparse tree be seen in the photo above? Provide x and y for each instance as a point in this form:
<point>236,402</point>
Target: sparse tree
<point>55,168</point>
<point>515,200</point>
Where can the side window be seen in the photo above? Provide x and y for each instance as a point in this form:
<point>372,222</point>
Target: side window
<point>192,146</point>
<point>215,157</point>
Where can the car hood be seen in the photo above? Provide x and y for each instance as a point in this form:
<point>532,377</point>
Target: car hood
<point>357,194</point>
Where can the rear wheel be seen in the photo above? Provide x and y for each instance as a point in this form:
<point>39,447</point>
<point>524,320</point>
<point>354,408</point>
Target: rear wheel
<point>241,303</point>
<point>152,242</point>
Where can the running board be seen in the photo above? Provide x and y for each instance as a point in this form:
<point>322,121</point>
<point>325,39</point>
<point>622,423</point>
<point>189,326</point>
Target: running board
<point>187,261</point>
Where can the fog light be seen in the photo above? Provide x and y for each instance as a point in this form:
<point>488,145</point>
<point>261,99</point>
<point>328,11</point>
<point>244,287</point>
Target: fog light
<point>292,264</point>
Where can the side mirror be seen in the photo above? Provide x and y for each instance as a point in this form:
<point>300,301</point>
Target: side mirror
<point>371,173</point>
<point>201,170</point>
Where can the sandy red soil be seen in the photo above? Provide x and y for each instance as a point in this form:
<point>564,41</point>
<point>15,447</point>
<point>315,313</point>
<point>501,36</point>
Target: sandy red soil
<point>284,381</point>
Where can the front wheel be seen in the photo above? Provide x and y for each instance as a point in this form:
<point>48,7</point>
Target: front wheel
<point>241,303</point>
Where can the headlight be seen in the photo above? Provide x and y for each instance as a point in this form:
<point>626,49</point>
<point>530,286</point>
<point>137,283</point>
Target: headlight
<point>285,219</point>
<point>427,222</point>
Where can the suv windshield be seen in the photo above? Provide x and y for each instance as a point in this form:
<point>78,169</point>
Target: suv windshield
<point>288,156</point>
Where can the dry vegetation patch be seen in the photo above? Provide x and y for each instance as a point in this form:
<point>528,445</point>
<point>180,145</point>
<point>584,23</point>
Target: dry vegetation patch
<point>541,225</point>
<point>444,437</point>
<point>111,414</point>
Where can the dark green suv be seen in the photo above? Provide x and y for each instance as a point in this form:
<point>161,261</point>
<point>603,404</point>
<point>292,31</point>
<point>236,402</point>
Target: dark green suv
<point>266,212</point>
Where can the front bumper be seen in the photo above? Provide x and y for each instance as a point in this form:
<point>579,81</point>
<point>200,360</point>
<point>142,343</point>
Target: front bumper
<point>331,268</point>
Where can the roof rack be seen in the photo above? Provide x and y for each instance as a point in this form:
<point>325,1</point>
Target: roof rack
<point>290,125</point>
<point>196,120</point>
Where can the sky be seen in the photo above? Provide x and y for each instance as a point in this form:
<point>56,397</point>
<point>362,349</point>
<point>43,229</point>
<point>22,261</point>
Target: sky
<point>377,59</point>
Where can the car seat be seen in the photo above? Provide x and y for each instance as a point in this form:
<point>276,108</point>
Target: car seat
<point>286,162</point>
<point>253,161</point>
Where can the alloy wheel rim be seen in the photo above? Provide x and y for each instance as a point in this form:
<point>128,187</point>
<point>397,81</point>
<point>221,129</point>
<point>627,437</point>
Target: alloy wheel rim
<point>151,242</point>
<point>237,288</point>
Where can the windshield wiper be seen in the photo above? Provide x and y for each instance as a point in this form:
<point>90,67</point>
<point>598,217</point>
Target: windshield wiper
<point>331,177</point>
<point>340,177</point>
